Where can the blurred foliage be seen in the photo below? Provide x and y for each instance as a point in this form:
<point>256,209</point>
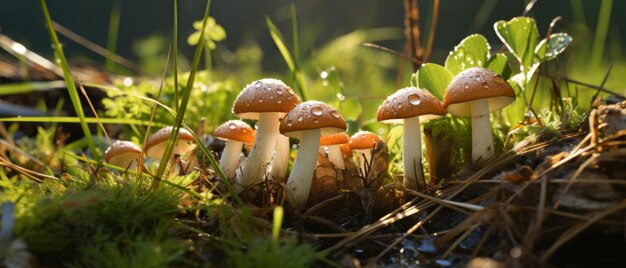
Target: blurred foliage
<point>213,32</point>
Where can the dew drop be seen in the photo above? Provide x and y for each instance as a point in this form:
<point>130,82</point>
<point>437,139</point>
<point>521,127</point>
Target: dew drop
<point>414,99</point>
<point>260,100</point>
<point>316,111</point>
<point>315,121</point>
<point>279,91</point>
<point>341,97</point>
<point>289,123</point>
<point>466,85</point>
<point>484,83</point>
<point>258,84</point>
<point>324,74</point>
<point>279,101</point>
<point>268,88</point>
<point>335,114</point>
<point>232,126</point>
<point>300,119</point>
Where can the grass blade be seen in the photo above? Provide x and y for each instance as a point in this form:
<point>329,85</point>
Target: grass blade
<point>175,51</point>
<point>69,80</point>
<point>604,18</point>
<point>277,36</point>
<point>114,28</point>
<point>185,97</point>
<point>70,119</point>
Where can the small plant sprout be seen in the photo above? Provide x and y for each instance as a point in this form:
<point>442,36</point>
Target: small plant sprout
<point>332,142</point>
<point>265,100</point>
<point>185,147</point>
<point>476,92</point>
<point>363,142</point>
<point>123,154</point>
<point>405,107</point>
<point>235,133</point>
<point>308,122</point>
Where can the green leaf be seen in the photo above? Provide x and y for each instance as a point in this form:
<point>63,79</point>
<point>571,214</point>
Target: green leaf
<point>473,51</point>
<point>499,64</point>
<point>549,48</point>
<point>520,36</point>
<point>434,78</point>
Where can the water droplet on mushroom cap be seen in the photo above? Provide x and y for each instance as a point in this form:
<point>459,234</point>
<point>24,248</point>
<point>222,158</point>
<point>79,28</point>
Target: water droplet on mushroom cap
<point>335,114</point>
<point>258,84</point>
<point>316,111</point>
<point>414,99</point>
<point>289,123</point>
<point>232,125</point>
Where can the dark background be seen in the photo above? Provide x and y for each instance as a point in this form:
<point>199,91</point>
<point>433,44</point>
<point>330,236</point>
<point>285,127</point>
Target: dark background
<point>319,21</point>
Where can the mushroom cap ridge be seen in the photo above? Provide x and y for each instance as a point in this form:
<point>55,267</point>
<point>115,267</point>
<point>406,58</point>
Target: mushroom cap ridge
<point>474,84</point>
<point>312,115</point>
<point>409,102</point>
<point>236,130</point>
<point>264,96</point>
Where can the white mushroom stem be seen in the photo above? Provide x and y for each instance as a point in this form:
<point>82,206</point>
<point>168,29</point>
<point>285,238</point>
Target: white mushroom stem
<point>299,182</point>
<point>230,157</point>
<point>363,155</point>
<point>412,154</point>
<point>280,162</point>
<point>482,141</point>
<point>261,153</point>
<point>335,156</point>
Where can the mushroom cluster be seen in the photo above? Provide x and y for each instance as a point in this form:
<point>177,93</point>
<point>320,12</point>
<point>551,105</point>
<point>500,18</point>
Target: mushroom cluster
<point>128,155</point>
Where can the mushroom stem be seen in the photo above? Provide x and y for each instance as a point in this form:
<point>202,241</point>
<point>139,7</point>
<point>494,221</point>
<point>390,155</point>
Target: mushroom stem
<point>412,154</point>
<point>299,182</point>
<point>280,162</point>
<point>230,157</point>
<point>261,153</point>
<point>482,141</point>
<point>335,156</point>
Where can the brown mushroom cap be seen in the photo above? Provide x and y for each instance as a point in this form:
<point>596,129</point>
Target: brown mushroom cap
<point>363,140</point>
<point>474,84</point>
<point>409,102</point>
<point>155,146</point>
<point>236,130</point>
<point>121,149</point>
<point>265,96</point>
<point>333,139</point>
<point>312,115</point>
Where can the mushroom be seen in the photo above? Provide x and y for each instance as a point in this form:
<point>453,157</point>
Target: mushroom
<point>363,142</point>
<point>235,133</point>
<point>334,151</point>
<point>123,154</point>
<point>406,106</point>
<point>308,122</point>
<point>476,92</point>
<point>265,100</point>
<point>156,144</point>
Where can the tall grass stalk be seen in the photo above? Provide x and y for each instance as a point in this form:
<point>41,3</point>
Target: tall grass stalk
<point>114,28</point>
<point>296,73</point>
<point>69,81</point>
<point>602,28</point>
<point>175,51</point>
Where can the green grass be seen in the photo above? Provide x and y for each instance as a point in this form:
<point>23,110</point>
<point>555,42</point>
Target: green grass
<point>69,80</point>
